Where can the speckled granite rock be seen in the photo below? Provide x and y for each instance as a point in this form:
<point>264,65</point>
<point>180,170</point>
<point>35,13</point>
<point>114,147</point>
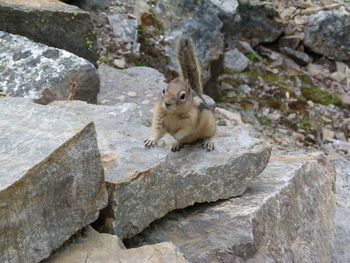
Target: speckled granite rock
<point>29,69</point>
<point>145,184</point>
<point>328,33</point>
<point>93,247</point>
<point>287,215</point>
<point>341,246</point>
<point>51,22</point>
<point>51,179</point>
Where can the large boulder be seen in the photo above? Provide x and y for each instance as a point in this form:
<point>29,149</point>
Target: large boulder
<point>287,215</point>
<point>198,19</point>
<point>253,22</point>
<point>328,34</point>
<point>93,247</point>
<point>34,70</point>
<point>51,22</point>
<point>145,184</point>
<point>341,246</point>
<point>51,179</point>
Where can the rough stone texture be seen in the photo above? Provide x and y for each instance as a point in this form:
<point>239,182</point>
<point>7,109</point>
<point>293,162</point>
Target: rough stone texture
<point>145,184</point>
<point>253,22</point>
<point>51,22</point>
<point>124,29</point>
<point>285,216</point>
<point>140,85</point>
<point>300,57</point>
<point>198,19</point>
<point>235,61</point>
<point>328,33</point>
<point>51,179</point>
<point>29,69</point>
<point>93,247</point>
<point>341,251</point>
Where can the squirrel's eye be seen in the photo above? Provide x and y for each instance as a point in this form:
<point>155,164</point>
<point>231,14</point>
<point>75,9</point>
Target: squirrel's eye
<point>163,91</point>
<point>183,96</point>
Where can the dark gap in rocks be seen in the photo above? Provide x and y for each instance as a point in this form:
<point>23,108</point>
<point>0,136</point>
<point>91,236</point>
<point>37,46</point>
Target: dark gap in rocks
<point>140,240</point>
<point>211,87</point>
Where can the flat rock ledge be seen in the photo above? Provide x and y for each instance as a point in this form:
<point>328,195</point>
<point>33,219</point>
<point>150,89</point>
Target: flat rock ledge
<point>286,215</point>
<point>45,74</point>
<point>146,184</point>
<point>93,247</point>
<point>51,179</point>
<point>53,23</point>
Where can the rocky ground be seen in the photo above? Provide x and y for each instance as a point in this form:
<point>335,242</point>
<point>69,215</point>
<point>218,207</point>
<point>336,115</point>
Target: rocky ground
<point>279,74</point>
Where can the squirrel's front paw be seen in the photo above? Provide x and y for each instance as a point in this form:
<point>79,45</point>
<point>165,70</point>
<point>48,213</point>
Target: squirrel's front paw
<point>149,143</point>
<point>208,144</point>
<point>176,147</point>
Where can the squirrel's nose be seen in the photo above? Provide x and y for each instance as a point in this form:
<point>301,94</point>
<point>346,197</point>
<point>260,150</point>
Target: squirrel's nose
<point>167,104</point>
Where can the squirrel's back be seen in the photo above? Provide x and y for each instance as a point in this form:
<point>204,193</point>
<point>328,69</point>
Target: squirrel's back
<point>188,62</point>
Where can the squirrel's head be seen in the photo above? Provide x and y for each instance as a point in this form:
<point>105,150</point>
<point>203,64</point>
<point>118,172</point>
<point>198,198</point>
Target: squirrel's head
<point>177,96</point>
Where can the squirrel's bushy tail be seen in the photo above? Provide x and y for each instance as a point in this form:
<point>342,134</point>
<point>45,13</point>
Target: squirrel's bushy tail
<point>188,62</point>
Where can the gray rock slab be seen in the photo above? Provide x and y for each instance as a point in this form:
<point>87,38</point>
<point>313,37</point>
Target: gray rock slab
<point>51,179</point>
<point>235,61</point>
<point>145,184</point>
<point>93,247</point>
<point>328,33</point>
<point>298,56</point>
<point>51,22</point>
<point>34,70</point>
<point>140,85</point>
<point>286,215</point>
<point>341,246</point>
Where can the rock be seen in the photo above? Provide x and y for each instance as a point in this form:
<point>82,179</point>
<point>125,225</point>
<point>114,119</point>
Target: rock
<point>198,19</point>
<point>53,23</point>
<point>327,33</point>
<point>124,29</point>
<point>253,22</point>
<point>34,70</point>
<point>327,135</point>
<point>292,42</point>
<point>341,245</point>
<point>145,184</point>
<point>119,63</point>
<point>298,56</point>
<point>226,6</point>
<point>235,61</point>
<point>317,70</point>
<point>93,247</point>
<point>285,216</point>
<point>51,179</point>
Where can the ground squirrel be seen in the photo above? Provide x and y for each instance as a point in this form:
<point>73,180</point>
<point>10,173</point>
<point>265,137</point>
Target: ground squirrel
<point>181,110</point>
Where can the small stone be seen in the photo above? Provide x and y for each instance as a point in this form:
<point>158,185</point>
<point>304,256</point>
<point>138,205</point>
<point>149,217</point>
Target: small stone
<point>145,102</point>
<point>327,135</point>
<point>235,61</point>
<point>292,42</point>
<point>132,94</point>
<point>300,57</point>
<point>340,136</point>
<point>119,63</point>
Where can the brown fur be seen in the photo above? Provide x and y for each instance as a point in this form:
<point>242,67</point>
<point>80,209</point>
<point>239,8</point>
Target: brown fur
<point>180,111</point>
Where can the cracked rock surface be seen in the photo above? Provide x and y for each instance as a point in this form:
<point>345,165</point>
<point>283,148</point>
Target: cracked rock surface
<point>93,247</point>
<point>286,215</point>
<point>51,179</point>
<point>146,184</point>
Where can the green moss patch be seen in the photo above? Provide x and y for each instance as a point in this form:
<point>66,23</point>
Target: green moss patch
<point>320,96</point>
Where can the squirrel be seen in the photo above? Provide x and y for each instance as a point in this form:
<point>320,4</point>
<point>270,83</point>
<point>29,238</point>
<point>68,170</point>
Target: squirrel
<point>181,110</point>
